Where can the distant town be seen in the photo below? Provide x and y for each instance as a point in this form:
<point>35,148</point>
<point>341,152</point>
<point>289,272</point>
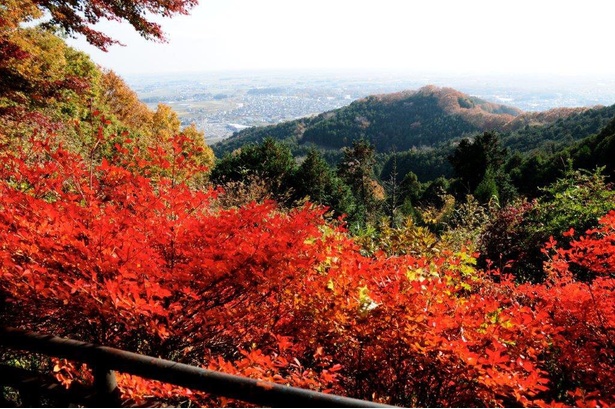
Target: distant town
<point>223,103</point>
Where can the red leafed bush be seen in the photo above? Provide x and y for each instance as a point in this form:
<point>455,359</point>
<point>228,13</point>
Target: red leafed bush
<point>579,300</point>
<point>104,254</point>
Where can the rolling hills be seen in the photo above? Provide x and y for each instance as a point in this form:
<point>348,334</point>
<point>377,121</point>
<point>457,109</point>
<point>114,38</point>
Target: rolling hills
<point>421,119</point>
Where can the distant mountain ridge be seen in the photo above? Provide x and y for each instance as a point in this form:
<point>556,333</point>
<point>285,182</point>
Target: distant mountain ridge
<point>418,119</point>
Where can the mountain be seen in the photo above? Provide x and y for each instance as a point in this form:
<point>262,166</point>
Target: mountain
<point>415,131</point>
<point>428,118</point>
<point>399,121</point>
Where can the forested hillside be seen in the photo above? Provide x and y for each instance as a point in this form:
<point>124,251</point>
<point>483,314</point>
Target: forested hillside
<point>415,131</point>
<point>598,150</point>
<point>483,276</point>
<point>555,129</point>
<point>427,118</point>
<point>551,135</point>
<point>393,121</point>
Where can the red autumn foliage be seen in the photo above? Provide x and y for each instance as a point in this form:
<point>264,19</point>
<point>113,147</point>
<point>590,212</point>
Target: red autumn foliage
<point>579,300</point>
<point>81,17</point>
<point>106,254</point>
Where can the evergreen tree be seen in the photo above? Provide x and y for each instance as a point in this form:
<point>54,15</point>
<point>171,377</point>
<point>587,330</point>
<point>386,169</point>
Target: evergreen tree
<point>478,164</point>
<point>356,169</point>
<point>316,180</point>
<point>270,160</point>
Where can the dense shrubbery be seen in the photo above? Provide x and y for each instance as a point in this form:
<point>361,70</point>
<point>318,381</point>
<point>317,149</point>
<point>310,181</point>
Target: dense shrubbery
<point>513,240</point>
<point>108,255</point>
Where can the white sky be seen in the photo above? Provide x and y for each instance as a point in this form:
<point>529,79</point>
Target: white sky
<point>457,36</point>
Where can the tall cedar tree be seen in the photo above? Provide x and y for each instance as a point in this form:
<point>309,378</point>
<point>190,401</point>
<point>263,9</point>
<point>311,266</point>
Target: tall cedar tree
<point>473,159</point>
<point>356,169</point>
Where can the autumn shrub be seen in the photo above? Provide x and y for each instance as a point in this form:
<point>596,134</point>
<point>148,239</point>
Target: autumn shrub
<point>467,222</point>
<point>582,358</point>
<point>242,192</point>
<point>514,239</point>
<point>408,238</point>
<point>109,256</point>
<point>102,253</point>
<point>502,242</point>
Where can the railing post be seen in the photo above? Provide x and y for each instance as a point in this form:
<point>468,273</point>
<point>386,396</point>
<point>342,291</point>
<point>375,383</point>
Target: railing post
<point>106,391</point>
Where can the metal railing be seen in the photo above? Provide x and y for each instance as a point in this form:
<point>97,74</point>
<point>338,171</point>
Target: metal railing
<point>105,360</point>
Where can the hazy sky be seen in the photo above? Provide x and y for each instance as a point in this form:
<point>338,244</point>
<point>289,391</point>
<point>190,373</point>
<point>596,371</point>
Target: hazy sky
<point>491,36</point>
